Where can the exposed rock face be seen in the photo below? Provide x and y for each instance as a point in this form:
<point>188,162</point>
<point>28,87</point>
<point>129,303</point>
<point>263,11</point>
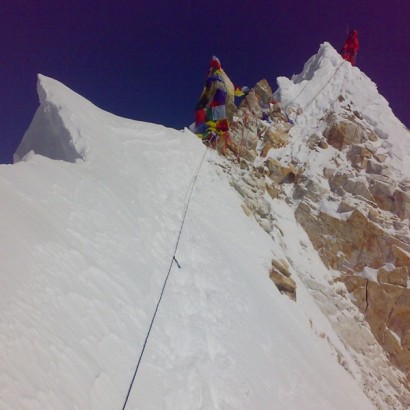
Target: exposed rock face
<point>387,310</point>
<point>364,233</point>
<point>274,137</point>
<point>396,277</point>
<point>376,184</point>
<point>259,126</point>
<point>280,276</point>
<point>367,231</point>
<point>349,244</point>
<point>279,173</point>
<point>341,132</point>
<point>247,128</point>
<point>285,285</point>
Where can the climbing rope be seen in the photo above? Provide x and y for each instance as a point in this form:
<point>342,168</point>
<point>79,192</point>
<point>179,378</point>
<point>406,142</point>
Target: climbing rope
<point>173,259</point>
<point>324,85</point>
<point>298,95</point>
<point>299,111</point>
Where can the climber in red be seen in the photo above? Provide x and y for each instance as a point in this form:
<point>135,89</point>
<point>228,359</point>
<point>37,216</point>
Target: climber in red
<point>350,47</point>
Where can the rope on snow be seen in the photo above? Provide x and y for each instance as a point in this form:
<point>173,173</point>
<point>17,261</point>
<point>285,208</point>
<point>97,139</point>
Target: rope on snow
<point>315,96</point>
<point>324,85</point>
<point>191,189</point>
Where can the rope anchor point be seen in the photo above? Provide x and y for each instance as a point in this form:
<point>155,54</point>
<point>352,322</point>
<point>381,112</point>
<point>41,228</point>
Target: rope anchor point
<point>175,260</point>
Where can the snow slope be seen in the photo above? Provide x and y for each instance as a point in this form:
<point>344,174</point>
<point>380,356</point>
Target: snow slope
<point>88,233</point>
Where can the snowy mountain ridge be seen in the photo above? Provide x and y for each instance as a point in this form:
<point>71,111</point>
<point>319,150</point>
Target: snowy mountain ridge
<point>89,228</point>
<point>324,78</point>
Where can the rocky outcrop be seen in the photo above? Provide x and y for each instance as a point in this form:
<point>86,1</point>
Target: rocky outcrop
<point>275,137</point>
<point>367,233</point>
<point>349,244</point>
<point>341,132</point>
<point>281,277</point>
<point>354,245</point>
<point>362,232</point>
<point>387,310</point>
<point>279,173</point>
<point>259,119</point>
<point>398,276</point>
<point>376,184</point>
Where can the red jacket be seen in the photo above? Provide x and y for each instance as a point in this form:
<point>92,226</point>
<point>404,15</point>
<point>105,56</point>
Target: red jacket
<point>350,47</point>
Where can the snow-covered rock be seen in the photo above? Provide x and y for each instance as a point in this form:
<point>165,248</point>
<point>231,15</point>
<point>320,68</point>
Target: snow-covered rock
<point>342,170</point>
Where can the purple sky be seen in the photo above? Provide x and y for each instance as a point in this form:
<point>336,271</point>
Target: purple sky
<point>146,59</point>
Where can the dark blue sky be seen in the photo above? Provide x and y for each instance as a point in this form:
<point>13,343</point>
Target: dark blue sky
<point>147,60</point>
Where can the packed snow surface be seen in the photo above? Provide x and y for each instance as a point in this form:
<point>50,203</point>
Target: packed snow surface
<point>88,232</point>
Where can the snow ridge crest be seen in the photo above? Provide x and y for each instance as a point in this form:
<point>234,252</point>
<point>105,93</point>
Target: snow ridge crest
<point>52,132</point>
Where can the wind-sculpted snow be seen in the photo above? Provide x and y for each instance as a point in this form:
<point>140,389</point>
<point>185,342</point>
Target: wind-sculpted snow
<point>51,132</point>
<point>85,248</point>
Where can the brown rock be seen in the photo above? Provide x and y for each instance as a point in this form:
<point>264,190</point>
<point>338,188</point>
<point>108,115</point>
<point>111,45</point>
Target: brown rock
<point>315,191</point>
<point>264,92</point>
<point>328,172</point>
<point>243,164</point>
<point>276,107</point>
<point>396,277</point>
<point>247,211</point>
<point>387,310</point>
<point>359,156</point>
<point>338,180</point>
<point>244,131</point>
<point>273,190</point>
<point>358,115</point>
<point>277,116</point>
<point>402,257</point>
<point>382,191</point>
<point>352,282</point>
<point>281,266</point>
<point>266,148</point>
<point>340,183</point>
<point>351,244</point>
<point>374,167</point>
<point>251,102</point>
<point>280,173</point>
<point>239,150</point>
<point>401,201</point>
<point>399,316</point>
<point>284,284</point>
<point>358,187</point>
<point>405,340</point>
<point>276,137</point>
<point>343,132</point>
<point>345,206</point>
<point>360,297</point>
<point>404,185</point>
<point>357,286</point>
<point>391,344</point>
<point>381,300</point>
<point>313,141</point>
<point>380,157</point>
<point>372,136</point>
<point>323,144</point>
